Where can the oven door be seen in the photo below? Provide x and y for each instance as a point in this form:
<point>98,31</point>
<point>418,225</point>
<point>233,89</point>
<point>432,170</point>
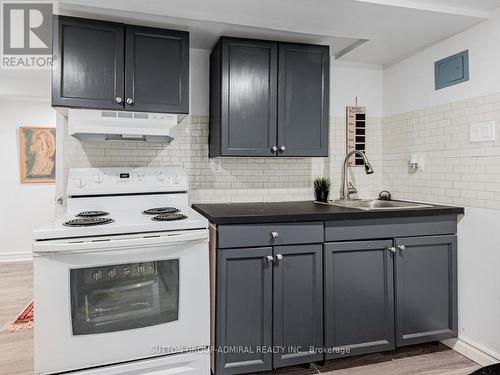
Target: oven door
<point>108,301</point>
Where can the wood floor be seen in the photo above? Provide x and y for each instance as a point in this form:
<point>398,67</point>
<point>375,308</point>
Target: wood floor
<point>16,291</point>
<point>16,353</point>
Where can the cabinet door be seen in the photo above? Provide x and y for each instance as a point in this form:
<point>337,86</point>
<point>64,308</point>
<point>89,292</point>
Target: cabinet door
<point>298,304</point>
<point>303,100</point>
<point>426,289</point>
<point>244,310</point>
<point>156,70</point>
<point>88,63</point>
<point>248,106</point>
<point>359,297</point>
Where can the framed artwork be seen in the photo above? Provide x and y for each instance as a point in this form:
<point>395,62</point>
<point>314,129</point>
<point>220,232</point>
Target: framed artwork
<point>37,147</point>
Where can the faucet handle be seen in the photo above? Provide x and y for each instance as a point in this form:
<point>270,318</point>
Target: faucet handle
<point>384,195</point>
<point>352,189</point>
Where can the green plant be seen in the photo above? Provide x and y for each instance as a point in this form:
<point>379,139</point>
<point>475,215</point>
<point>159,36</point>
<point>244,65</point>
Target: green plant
<point>321,184</point>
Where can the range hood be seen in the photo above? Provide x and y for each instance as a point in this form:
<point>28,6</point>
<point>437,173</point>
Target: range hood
<point>105,125</point>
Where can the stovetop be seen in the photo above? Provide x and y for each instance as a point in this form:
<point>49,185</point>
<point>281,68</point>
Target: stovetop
<point>116,222</point>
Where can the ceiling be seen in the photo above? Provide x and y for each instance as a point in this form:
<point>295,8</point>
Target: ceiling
<point>364,31</point>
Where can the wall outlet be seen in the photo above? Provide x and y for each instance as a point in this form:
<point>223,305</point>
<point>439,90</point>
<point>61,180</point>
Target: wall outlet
<point>416,163</point>
<point>482,131</point>
<point>216,165</point>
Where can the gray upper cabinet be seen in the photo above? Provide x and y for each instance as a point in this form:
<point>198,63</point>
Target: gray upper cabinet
<point>426,289</point>
<point>156,70</point>
<point>303,100</point>
<point>88,63</point>
<point>106,65</point>
<point>268,98</point>
<point>243,98</point>
<point>359,297</point>
<point>298,304</point>
<point>244,310</point>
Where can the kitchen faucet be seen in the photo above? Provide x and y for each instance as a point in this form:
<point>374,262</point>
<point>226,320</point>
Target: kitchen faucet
<point>347,186</point>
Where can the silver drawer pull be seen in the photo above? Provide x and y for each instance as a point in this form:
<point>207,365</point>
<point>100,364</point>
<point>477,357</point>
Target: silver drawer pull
<point>392,249</point>
<point>269,259</point>
<point>279,257</point>
<point>274,234</point>
<point>402,247</point>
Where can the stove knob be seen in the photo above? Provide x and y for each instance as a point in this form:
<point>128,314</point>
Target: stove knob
<point>141,268</point>
<point>98,178</point>
<point>80,182</point>
<point>160,176</point>
<point>97,275</point>
<point>112,273</point>
<point>176,180</point>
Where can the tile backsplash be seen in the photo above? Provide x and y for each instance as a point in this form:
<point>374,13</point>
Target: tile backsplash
<point>239,179</point>
<point>456,171</point>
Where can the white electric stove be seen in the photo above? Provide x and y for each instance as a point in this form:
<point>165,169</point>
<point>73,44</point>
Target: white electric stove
<point>122,279</point>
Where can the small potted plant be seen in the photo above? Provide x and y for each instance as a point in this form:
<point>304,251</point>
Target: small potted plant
<point>321,189</point>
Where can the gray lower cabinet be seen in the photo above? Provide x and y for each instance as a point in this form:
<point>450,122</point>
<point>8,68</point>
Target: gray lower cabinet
<point>359,298</point>
<point>269,307</point>
<point>426,289</point>
<point>281,292</point>
<point>244,310</point>
<point>297,304</point>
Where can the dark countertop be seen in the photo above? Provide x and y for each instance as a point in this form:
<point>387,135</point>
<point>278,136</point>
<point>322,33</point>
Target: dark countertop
<point>273,212</point>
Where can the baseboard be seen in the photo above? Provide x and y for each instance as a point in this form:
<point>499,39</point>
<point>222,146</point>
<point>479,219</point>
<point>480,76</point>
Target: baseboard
<point>16,257</point>
<point>473,351</point>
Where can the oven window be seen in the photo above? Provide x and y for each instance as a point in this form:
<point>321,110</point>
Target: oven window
<point>124,296</point>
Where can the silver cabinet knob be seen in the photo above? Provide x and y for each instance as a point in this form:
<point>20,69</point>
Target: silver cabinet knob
<point>118,99</point>
<point>279,257</point>
<point>402,247</point>
<point>282,148</point>
<point>274,148</point>
<point>269,259</point>
<point>274,234</point>
<point>130,101</point>
<point>392,249</point>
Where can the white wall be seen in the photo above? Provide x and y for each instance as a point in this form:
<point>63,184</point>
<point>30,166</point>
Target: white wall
<point>348,80</point>
<point>479,280</point>
<point>23,206</point>
<point>199,82</point>
<point>25,84</point>
<point>409,84</point>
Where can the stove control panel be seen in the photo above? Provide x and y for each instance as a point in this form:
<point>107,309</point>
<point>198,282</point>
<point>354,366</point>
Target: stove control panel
<point>104,181</point>
<point>119,272</point>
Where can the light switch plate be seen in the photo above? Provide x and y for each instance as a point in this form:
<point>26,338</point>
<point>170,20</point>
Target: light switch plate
<point>482,131</point>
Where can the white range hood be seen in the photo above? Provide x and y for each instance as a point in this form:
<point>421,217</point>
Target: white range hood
<point>105,125</point>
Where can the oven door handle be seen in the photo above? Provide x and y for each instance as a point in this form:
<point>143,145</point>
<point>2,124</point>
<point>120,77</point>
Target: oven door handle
<point>110,244</point>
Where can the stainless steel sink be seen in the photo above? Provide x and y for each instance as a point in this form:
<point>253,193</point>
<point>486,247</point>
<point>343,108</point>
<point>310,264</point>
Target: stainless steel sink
<point>376,204</point>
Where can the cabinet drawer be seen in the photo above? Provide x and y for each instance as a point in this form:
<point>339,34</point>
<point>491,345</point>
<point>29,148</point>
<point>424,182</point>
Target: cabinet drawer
<point>345,230</point>
<point>262,234</point>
